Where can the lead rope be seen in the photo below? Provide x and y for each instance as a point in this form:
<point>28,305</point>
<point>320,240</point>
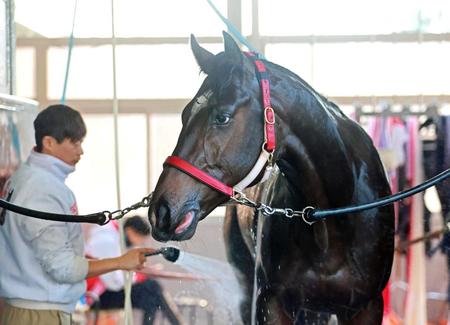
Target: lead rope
<point>69,55</point>
<point>233,30</point>
<point>127,274</point>
<point>310,215</point>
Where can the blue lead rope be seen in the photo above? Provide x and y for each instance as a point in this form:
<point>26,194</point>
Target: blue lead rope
<point>69,55</point>
<point>313,214</point>
<point>234,31</point>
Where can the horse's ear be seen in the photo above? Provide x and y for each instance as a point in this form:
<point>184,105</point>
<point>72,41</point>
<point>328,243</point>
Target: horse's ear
<point>203,57</point>
<point>232,50</point>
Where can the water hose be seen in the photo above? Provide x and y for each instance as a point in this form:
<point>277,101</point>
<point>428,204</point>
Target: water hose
<point>171,254</point>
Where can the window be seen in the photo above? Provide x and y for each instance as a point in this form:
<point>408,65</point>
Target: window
<point>143,71</point>
<point>94,181</point>
<point>25,72</point>
<point>90,74</point>
<point>352,17</point>
<point>366,69</point>
<point>295,57</point>
<point>159,71</point>
<point>164,131</point>
<point>352,69</point>
<point>247,19</point>
<point>133,18</point>
<point>168,18</point>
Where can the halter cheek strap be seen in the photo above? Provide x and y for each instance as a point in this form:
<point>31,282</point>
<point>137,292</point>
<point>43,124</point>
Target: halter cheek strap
<point>269,114</point>
<point>265,157</point>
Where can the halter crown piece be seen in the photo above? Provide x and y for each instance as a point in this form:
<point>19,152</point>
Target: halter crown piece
<point>267,148</point>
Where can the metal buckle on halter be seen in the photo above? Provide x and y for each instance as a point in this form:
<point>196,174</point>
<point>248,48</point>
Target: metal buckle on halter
<point>270,159</point>
<point>270,153</point>
<point>268,108</point>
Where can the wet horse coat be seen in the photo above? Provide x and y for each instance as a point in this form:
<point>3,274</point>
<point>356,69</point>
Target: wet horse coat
<point>325,160</point>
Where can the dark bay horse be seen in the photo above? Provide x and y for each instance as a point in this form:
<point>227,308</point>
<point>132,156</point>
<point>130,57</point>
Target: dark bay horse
<point>323,159</point>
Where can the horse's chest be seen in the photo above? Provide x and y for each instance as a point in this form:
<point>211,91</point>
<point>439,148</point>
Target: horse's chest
<point>247,226</point>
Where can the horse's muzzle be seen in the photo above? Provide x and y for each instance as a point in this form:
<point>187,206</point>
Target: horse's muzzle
<point>169,224</point>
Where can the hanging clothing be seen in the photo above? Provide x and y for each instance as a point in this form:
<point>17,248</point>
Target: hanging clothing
<point>416,296</point>
<point>437,159</point>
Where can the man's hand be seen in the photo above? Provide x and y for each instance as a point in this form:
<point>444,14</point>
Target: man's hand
<point>134,259</point>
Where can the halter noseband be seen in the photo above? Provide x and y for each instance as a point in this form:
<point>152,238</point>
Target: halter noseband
<point>267,149</point>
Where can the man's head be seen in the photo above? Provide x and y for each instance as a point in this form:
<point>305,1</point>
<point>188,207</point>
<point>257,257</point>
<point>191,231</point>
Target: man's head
<point>59,131</point>
<point>136,230</point>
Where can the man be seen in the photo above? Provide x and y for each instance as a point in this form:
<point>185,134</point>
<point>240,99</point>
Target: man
<point>146,294</point>
<point>43,267</point>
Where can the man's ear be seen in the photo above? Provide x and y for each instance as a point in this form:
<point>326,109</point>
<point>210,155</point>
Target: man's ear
<point>48,143</point>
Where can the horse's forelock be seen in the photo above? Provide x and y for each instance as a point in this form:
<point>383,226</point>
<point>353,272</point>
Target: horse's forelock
<point>219,84</point>
<point>223,78</point>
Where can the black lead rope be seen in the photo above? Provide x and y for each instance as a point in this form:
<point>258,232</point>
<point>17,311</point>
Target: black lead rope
<point>313,214</point>
<point>309,214</point>
<point>99,218</point>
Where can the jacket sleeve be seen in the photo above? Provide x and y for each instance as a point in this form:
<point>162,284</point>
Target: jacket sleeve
<point>51,244</point>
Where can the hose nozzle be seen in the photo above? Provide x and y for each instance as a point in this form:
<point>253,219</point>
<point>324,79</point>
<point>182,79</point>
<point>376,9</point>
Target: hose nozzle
<point>169,253</point>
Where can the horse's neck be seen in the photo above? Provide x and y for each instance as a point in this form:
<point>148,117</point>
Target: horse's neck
<point>311,153</point>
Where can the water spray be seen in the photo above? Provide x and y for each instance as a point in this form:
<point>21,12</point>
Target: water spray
<point>171,254</point>
<point>218,277</point>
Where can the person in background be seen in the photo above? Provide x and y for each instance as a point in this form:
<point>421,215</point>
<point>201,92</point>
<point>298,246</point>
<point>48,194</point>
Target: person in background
<point>146,294</point>
<point>43,268</point>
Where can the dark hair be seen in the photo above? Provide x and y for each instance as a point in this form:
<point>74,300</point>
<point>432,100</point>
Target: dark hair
<point>60,122</point>
<point>137,224</point>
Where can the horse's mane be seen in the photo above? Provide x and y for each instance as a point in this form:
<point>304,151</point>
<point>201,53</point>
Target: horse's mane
<point>324,101</point>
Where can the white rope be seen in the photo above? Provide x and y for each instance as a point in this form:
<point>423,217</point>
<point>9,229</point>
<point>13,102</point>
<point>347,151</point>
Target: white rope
<point>127,275</point>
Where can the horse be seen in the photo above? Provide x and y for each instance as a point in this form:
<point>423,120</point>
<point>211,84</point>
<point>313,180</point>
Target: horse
<point>322,158</point>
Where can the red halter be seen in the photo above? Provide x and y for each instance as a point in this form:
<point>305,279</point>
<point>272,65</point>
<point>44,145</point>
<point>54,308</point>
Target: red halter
<point>268,146</point>
<point>269,114</point>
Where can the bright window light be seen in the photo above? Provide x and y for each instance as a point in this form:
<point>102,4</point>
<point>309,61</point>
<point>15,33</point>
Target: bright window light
<point>133,18</point>
<point>96,170</point>
<point>352,17</point>
<point>25,72</point>
<point>143,71</point>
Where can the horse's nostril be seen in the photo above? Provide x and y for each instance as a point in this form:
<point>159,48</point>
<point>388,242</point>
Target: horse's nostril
<point>163,211</point>
<point>163,215</point>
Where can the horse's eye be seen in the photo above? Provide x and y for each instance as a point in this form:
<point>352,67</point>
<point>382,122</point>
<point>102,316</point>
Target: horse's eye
<point>222,119</point>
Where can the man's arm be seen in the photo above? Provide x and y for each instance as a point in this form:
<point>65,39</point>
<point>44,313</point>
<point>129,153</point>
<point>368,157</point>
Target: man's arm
<point>132,260</point>
<point>49,240</point>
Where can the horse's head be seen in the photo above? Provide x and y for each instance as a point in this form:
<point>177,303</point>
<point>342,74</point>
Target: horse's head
<point>222,136</point>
